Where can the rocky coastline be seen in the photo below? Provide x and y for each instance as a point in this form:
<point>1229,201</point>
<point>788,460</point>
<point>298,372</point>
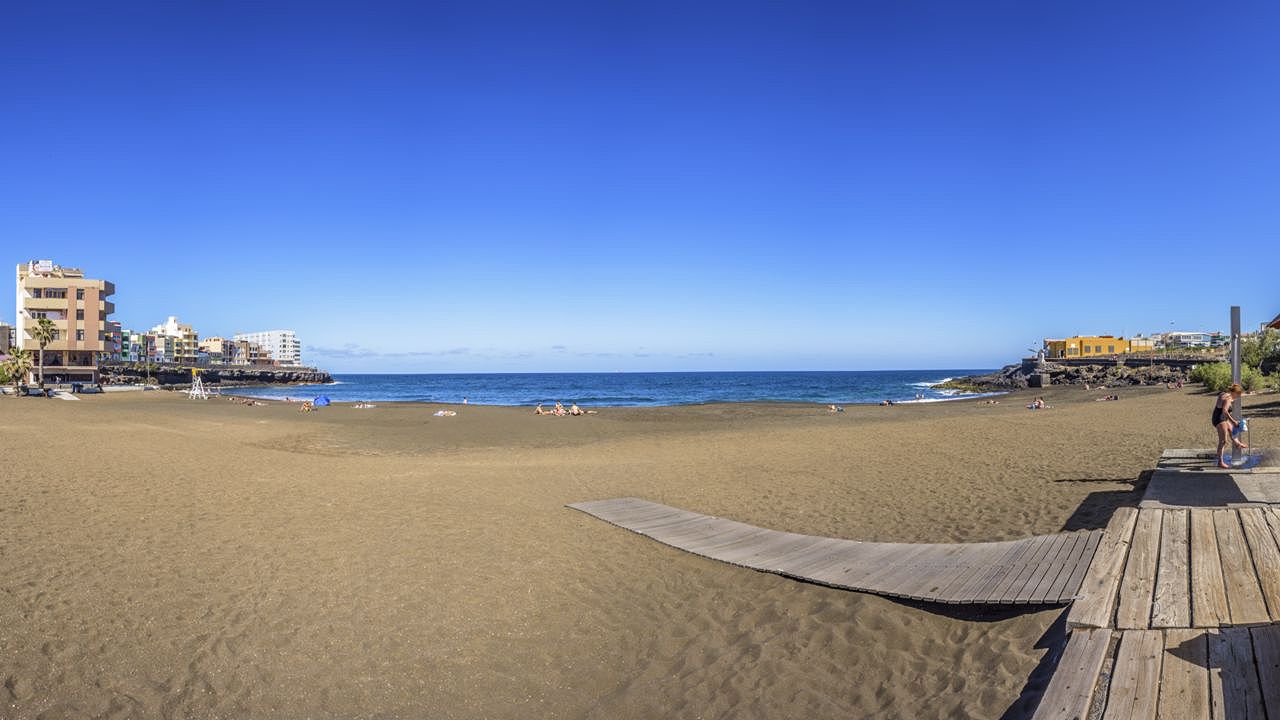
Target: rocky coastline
<point>1033,374</point>
<point>167,375</point>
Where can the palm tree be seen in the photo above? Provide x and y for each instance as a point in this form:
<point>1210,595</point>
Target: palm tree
<point>43,333</point>
<point>17,366</point>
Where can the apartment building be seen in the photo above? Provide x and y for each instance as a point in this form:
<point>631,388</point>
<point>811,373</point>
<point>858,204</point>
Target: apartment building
<point>6,337</point>
<point>217,350</point>
<point>77,306</point>
<point>281,346</point>
<point>186,342</point>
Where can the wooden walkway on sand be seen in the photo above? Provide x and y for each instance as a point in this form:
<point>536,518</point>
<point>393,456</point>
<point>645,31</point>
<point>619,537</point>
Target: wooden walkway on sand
<point>1184,673</point>
<point>1179,612</point>
<point>1183,568</point>
<point>1040,570</point>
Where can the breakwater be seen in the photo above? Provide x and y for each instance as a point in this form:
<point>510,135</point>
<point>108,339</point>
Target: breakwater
<point>172,375</point>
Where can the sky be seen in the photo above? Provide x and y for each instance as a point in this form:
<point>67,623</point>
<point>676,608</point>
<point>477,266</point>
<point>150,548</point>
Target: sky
<point>540,187</point>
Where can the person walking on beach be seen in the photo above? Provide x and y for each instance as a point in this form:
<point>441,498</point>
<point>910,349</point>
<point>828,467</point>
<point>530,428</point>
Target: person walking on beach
<point>1225,422</point>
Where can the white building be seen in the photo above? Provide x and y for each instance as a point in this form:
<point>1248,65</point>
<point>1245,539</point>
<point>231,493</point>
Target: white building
<point>1188,339</point>
<point>282,346</point>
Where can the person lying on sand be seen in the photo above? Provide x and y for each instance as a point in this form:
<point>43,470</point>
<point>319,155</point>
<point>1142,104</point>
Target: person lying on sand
<point>559,411</point>
<point>575,410</point>
<point>307,407</point>
<point>539,411</point>
<point>1038,404</point>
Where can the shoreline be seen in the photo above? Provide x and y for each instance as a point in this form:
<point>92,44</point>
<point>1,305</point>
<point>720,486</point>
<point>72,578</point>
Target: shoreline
<point>784,402</point>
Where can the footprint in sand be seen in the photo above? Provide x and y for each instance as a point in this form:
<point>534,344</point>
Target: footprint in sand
<point>20,688</point>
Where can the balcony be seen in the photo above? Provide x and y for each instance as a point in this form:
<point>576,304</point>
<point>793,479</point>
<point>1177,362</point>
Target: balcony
<point>33,303</point>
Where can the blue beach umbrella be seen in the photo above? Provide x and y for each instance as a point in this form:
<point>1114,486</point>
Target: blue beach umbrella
<point>321,401</point>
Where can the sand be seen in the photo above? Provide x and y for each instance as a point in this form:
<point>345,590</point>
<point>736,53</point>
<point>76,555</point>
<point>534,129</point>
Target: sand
<point>162,557</point>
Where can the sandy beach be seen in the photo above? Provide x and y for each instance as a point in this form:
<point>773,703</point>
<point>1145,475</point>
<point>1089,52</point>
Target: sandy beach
<point>162,557</point>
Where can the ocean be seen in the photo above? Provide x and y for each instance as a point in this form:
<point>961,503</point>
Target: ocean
<point>632,388</point>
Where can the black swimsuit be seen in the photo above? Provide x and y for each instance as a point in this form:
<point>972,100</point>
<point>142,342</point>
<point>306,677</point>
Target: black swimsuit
<point>1218,415</point>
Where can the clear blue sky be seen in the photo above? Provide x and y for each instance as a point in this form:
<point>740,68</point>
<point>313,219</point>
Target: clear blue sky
<point>474,186</point>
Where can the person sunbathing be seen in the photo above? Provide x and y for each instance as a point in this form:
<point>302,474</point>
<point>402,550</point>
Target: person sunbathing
<point>575,410</point>
<point>539,411</point>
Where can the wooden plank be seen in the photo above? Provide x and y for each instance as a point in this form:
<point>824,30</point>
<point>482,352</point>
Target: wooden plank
<point>1049,567</point>
<point>1043,546</point>
<point>1066,584</point>
<point>889,572</point>
<point>1266,652</point>
<point>770,559</point>
<point>668,524</point>
<point>1063,564</point>
<point>1233,676</point>
<point>1135,679</point>
<point>1208,593</point>
<point>943,562</point>
<point>1184,677</point>
<point>1009,566</point>
<point>1098,590</point>
<point>1244,596</point>
<point>1070,690</point>
<point>978,563</point>
<point>869,570</point>
<point>748,546</point>
<point>729,541</point>
<point>1133,610</point>
<point>800,562</point>
<point>1266,556</point>
<point>1171,603</point>
<point>1070,588</point>
<point>658,522</point>
<point>973,586</point>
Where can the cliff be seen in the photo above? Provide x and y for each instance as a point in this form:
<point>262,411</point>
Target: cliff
<point>225,375</point>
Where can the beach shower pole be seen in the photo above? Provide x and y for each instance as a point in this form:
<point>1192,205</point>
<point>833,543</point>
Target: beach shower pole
<point>1236,456</point>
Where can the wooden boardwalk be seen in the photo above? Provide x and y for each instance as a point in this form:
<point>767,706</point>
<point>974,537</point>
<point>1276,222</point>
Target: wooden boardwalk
<point>1184,673</point>
<point>1047,569</point>
<point>1183,568</point>
<point>1179,612</point>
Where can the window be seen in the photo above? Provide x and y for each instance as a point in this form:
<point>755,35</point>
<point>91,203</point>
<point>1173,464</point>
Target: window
<point>1097,348</point>
<point>35,293</point>
<point>1111,348</point>
<point>79,293</point>
<point>79,314</point>
<point>79,334</point>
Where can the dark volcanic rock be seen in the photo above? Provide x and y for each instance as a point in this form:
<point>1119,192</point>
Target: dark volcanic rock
<point>226,375</point>
<point>1014,377</point>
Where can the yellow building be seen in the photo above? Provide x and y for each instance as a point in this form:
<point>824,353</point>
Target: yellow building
<point>1095,346</point>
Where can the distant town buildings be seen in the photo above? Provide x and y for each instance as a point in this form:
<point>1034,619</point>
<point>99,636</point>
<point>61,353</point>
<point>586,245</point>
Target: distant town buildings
<point>78,308</point>
<point>281,346</point>
<point>1197,339</point>
<point>1095,345</point>
<point>6,338</point>
<point>184,341</point>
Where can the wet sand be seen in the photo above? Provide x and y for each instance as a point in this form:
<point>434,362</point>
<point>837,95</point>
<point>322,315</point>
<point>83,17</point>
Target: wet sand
<point>162,557</point>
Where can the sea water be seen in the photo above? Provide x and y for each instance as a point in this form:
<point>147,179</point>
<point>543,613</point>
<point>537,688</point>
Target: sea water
<point>633,388</point>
